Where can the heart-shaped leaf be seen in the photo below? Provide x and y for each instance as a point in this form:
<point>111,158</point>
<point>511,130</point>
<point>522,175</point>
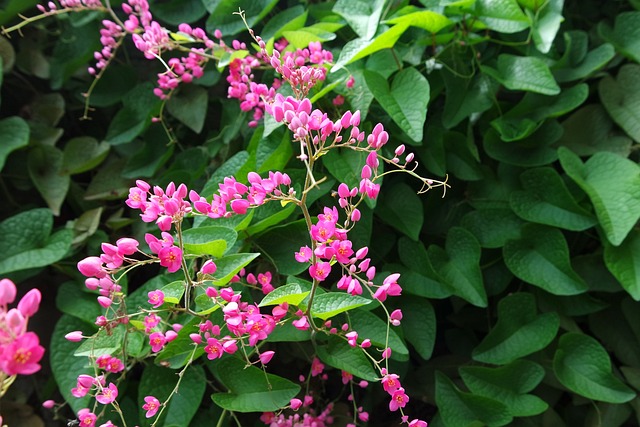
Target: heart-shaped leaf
<point>15,134</point>
<point>621,98</point>
<point>526,73</point>
<point>361,15</point>
<point>625,34</point>
<point>405,101</point>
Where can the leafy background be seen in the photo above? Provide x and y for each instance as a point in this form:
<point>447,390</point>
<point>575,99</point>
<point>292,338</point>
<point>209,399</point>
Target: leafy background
<point>520,286</point>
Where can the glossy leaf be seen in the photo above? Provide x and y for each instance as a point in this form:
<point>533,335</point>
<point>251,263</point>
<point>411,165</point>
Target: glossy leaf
<point>15,135</point>
<point>361,48</point>
<point>459,266</point>
<point>623,262</point>
<point>250,389</point>
<point>520,331</point>
<point>211,240</point>
<point>129,122</point>
<point>173,291</point>
<point>425,19</point>
<point>361,15</point>
<point>330,304</point>
<point>504,16</point>
<point>460,409</point>
<point>546,25</point>
<point>523,73</point>
<point>290,19</point>
<point>102,343</point>
<point>419,325</point>
<point>230,265</point>
<point>576,65</point>
<point>508,384</point>
<point>546,200</point>
<point>534,150</point>
<point>624,35</point>
<point>401,208</point>
<point>492,227</point>
<point>339,354</point>
<point>541,257</point>
<point>583,366</point>
<point>405,100</point>
<point>621,98</point>
<point>292,294</point>
<point>613,185</point>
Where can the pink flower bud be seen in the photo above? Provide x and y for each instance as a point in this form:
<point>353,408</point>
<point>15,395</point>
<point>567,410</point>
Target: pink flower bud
<point>266,356</point>
<point>75,336</point>
<point>48,404</point>
<point>7,291</point>
<point>209,267</point>
<point>30,303</point>
<point>91,267</point>
<point>104,301</point>
<point>295,404</point>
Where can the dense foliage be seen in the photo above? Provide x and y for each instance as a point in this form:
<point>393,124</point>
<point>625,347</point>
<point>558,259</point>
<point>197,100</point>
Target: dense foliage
<point>519,283</point>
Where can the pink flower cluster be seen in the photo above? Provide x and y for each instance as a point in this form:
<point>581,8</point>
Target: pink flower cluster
<point>309,418</point>
<point>70,4</point>
<point>20,350</point>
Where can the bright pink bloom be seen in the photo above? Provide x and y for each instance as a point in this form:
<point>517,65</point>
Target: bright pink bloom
<point>151,406</point>
<point>317,367</point>
<point>171,258</point>
<point>213,349</point>
<point>108,394</point>
<point>320,270</point>
<point>48,404</point>
<point>352,338</point>
<point>157,341</point>
<point>22,355</point>
<point>417,423</point>
<point>302,323</point>
<point>398,400</point>
<point>87,418</point>
<point>390,383</point>
<point>304,255</point>
<point>91,267</point>
<point>156,298</point>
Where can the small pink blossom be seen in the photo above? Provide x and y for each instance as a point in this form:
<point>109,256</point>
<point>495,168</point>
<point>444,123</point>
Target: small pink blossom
<point>171,258</point>
<point>156,298</point>
<point>108,394</point>
<point>151,406</point>
<point>399,399</point>
<point>209,267</point>
<point>87,418</point>
<point>396,317</point>
<point>157,341</point>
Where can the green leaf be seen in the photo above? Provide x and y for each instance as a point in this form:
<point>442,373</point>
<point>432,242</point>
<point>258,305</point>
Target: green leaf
<point>419,324</point>
<point>508,384</point>
<point>330,304</point>
<point>459,265</point>
<point>224,14</point>
<point>103,343</point>
<point>290,19</point>
<point>460,409</point>
<point>230,265</point>
<point>173,291</point>
<point>301,38</point>
<point>492,227</point>
<point>15,135</point>
<point>27,243</point>
<point>546,24</point>
<point>576,63</point>
<point>176,12</point>
<point>546,200</point>
<point>230,167</point>
<point>613,185</point>
<point>345,165</point>
<point>361,48</point>
<point>130,121</point>
<point>590,130</point>
<point>160,382</point>
<point>534,150</point>
<point>75,301</point>
<point>425,19</point>
<point>339,354</point>
<point>466,96</point>
<point>179,351</point>
<point>523,73</point>
<point>292,294</point>
<point>504,16</point>
<point>64,366</point>
<point>400,207</point>
<point>405,101</point>
<point>541,257</point>
<point>108,183</point>
<point>250,389</point>
<point>82,154</point>
<point>583,366</point>
<point>621,98</point>
<point>623,262</point>
<point>281,242</point>
<point>625,35</point>
<point>211,240</point>
<point>519,331</point>
<point>189,105</point>
<point>371,326</point>
<point>361,15</point>
<point>45,164</point>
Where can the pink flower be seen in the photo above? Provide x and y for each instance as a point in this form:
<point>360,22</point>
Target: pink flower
<point>396,317</point>
<point>213,349</point>
<point>398,400</point>
<point>7,291</point>
<point>171,258</point>
<point>209,267</point>
<point>151,406</point>
<point>30,303</point>
<point>156,298</point>
<point>417,423</point>
<point>295,404</point>
<point>48,404</point>
<point>157,341</point>
<point>108,394</point>
<point>22,355</point>
<point>87,418</point>
<point>390,383</point>
<point>320,270</point>
<point>317,367</point>
<point>352,338</point>
<point>302,323</point>
<point>304,255</point>
<point>265,357</point>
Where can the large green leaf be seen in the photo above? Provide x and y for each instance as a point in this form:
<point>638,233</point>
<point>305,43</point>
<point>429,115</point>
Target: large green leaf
<point>250,389</point>
<point>45,170</point>
<point>230,265</point>
<point>583,366</point>
<point>75,300</point>
<point>82,154</point>
<point>613,185</point>
<point>621,98</point>
<point>460,409</point>
<point>401,208</point>
<point>27,242</point>
<point>419,324</point>
<point>519,331</point>
<point>504,16</point>
<point>15,135</point>
<point>526,73</point>
<point>189,105</point>
<point>292,294</point>
<point>339,354</point>
<point>492,227</point>
<point>361,15</point>
<point>130,121</point>
<point>361,48</point>
<point>330,304</point>
<point>211,240</point>
<point>541,257</point>
<point>625,34</point>
<point>160,382</point>
<point>466,96</point>
<point>576,63</point>
<point>508,384</point>
<point>534,150</point>
<point>546,24</point>
<point>405,100</point>
<point>623,262</point>
<point>425,19</point>
<point>290,19</point>
<point>459,265</point>
<point>545,199</point>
